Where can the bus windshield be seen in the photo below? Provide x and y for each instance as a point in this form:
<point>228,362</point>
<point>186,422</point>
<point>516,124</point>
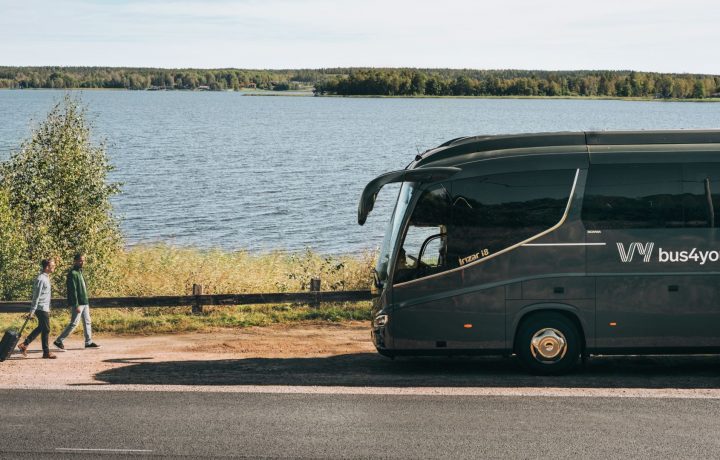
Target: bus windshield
<point>407,190</point>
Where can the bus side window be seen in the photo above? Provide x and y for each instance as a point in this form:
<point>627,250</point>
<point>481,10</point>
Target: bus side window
<point>492,213</point>
<point>667,195</point>
<point>701,187</point>
<point>484,215</point>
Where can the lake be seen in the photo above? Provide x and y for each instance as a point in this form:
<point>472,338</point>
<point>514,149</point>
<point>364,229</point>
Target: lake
<point>222,169</point>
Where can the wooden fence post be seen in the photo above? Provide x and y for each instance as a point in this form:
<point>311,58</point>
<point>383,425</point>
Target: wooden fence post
<point>197,307</point>
<point>315,287</point>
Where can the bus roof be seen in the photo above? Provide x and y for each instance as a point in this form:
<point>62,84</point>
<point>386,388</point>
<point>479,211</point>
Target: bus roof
<point>495,145</point>
<point>447,159</point>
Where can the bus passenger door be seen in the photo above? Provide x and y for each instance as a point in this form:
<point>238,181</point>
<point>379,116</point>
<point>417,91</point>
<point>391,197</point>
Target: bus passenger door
<point>429,310</point>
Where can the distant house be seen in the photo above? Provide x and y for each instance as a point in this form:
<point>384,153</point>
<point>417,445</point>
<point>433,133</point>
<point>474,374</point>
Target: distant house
<point>250,85</point>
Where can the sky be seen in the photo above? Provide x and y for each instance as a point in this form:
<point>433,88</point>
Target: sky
<point>678,36</point>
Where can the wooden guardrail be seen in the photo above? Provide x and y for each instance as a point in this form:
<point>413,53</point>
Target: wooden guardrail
<point>198,300</point>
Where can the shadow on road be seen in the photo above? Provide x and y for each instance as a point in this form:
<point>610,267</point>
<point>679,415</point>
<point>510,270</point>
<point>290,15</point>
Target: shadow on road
<point>368,369</point>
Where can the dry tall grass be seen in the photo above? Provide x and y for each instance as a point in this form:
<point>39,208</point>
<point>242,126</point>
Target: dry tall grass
<point>168,270</point>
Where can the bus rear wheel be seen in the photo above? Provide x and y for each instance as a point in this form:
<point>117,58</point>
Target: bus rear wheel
<point>548,344</point>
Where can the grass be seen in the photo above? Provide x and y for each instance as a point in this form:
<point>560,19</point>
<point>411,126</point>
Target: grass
<point>180,319</point>
<point>167,270</point>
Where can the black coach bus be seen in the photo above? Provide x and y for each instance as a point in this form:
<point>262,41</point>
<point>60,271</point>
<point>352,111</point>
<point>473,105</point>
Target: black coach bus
<point>553,246</point>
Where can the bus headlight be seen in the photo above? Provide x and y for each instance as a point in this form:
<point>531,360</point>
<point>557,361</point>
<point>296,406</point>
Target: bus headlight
<point>380,321</point>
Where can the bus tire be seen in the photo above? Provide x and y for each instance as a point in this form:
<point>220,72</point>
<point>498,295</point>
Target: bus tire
<point>548,344</point>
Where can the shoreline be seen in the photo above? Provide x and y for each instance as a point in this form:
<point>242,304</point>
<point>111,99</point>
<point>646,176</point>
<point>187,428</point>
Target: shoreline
<point>379,96</point>
<point>590,98</point>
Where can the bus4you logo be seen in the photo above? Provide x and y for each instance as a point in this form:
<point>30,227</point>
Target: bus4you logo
<point>665,256</point>
<point>644,250</point>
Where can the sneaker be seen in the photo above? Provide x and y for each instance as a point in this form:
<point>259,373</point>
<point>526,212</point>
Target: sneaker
<point>23,349</point>
<point>49,356</point>
<point>92,345</point>
<point>59,345</point>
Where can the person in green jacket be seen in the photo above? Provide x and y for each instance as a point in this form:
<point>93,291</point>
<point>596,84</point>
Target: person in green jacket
<point>77,298</point>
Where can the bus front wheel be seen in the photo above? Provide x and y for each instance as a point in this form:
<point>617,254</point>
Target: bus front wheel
<point>548,344</point>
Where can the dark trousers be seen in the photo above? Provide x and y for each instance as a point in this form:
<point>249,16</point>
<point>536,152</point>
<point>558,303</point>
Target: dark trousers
<point>43,328</point>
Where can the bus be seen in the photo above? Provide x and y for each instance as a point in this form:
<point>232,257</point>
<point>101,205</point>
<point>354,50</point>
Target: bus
<point>552,247</point>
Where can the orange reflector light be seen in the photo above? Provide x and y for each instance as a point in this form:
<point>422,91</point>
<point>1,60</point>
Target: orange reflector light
<point>613,324</point>
<point>467,326</point>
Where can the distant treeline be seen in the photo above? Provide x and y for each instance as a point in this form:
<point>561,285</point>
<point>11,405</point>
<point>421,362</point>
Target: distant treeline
<point>145,78</point>
<point>410,82</point>
<point>375,82</point>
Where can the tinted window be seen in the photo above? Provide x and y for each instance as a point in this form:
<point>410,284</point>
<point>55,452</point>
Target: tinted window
<point>701,183</point>
<point>465,220</point>
<point>423,244</point>
<point>433,208</point>
<point>491,213</point>
<point>645,196</point>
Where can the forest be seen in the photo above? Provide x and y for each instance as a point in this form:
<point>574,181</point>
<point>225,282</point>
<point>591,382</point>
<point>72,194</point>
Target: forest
<point>376,81</point>
<point>414,82</point>
<point>146,78</point>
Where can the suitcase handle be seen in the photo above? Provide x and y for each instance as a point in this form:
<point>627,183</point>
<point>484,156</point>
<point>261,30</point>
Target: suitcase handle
<point>23,327</point>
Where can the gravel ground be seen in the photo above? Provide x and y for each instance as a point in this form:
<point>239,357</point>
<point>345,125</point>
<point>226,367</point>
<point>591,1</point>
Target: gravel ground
<point>78,366</point>
<point>325,358</point>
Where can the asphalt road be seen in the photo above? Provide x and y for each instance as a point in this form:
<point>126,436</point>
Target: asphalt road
<point>72,423</point>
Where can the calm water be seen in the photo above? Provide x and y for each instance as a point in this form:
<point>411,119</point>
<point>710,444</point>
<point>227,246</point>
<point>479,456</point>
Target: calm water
<point>260,173</point>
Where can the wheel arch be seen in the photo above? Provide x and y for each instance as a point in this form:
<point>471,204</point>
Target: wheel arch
<point>570,312</point>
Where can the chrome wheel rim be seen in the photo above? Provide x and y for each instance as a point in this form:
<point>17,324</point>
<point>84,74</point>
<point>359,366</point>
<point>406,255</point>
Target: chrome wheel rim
<point>548,345</point>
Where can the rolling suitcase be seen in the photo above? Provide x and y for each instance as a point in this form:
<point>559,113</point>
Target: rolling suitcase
<point>9,341</point>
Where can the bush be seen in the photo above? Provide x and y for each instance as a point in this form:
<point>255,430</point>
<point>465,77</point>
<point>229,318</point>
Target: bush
<point>15,269</point>
<point>59,196</point>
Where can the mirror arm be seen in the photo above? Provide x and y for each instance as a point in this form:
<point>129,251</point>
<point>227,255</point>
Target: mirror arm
<point>425,243</point>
